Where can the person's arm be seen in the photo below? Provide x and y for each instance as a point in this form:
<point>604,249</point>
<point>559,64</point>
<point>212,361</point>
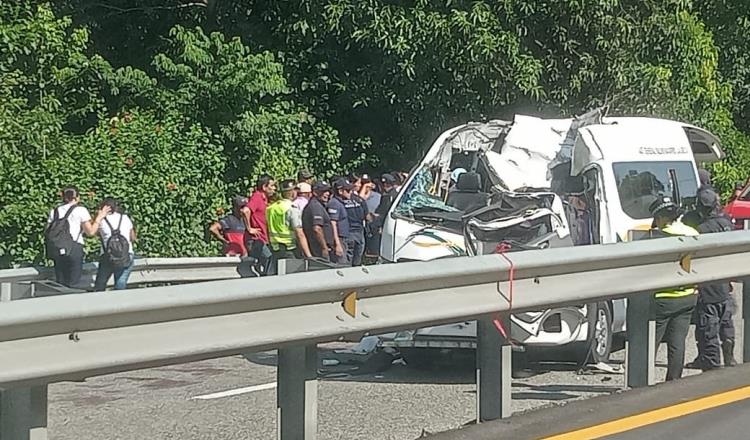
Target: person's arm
<point>302,241</point>
<point>334,212</point>
<point>217,231</point>
<point>336,242</point>
<point>294,220</point>
<point>321,239</point>
<point>90,227</point>
<point>247,219</point>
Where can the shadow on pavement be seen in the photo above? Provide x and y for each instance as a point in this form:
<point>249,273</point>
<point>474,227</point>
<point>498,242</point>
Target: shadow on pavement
<point>341,364</point>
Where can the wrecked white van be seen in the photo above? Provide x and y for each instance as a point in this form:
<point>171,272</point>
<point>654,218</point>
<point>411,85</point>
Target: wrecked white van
<point>535,183</point>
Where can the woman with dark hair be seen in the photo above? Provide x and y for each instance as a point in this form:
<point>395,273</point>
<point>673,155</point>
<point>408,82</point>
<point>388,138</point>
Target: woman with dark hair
<point>118,234</point>
<point>64,235</point>
<point>230,229</point>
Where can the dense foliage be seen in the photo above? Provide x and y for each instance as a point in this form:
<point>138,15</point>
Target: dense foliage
<point>243,87</point>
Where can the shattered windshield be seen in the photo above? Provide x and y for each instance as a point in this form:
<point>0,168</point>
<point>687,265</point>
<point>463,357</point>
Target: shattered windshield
<point>640,183</point>
<point>419,197</point>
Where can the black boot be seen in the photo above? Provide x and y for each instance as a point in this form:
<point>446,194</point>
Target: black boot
<point>727,347</point>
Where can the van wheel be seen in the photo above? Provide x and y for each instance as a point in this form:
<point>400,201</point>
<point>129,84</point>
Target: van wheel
<point>601,343</point>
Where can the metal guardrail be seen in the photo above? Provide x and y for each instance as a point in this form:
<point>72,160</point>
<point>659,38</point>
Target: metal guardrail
<point>76,336</point>
<point>145,271</point>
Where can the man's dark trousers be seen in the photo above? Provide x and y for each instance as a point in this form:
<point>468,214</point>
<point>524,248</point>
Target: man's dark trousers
<point>713,326</point>
<point>672,316</point>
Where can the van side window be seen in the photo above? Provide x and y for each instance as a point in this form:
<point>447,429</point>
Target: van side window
<point>640,183</point>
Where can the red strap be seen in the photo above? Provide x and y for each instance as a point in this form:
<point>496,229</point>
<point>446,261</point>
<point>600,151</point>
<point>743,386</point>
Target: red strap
<point>501,249</point>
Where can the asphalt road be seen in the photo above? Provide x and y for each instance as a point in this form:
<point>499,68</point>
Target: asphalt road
<point>356,399</point>
<point>727,422</point>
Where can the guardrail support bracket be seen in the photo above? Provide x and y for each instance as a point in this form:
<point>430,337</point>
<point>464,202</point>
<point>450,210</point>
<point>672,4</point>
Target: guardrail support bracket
<point>640,348</point>
<point>297,393</point>
<point>494,370</point>
<point>746,320</point>
<point>5,292</point>
<point>23,413</point>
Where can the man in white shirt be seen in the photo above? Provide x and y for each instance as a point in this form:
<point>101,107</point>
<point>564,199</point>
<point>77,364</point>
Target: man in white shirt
<point>69,262</point>
<point>121,223</point>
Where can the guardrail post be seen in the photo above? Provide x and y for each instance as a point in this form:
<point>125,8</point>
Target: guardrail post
<point>746,320</point>
<point>297,393</point>
<point>640,348</point>
<point>5,289</point>
<point>494,370</point>
<point>23,413</point>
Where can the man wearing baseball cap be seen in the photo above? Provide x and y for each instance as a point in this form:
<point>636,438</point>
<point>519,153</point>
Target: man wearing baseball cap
<point>305,176</point>
<point>342,190</point>
<point>390,192</point>
<point>304,192</point>
<point>672,307</point>
<point>714,328</point>
<point>285,234</point>
<point>317,224</point>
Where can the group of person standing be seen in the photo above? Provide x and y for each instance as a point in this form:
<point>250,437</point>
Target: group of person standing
<point>710,306</point>
<point>337,222</point>
<point>67,226</point>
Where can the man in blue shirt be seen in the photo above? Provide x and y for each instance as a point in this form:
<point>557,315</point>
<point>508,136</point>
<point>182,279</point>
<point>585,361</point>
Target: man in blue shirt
<point>342,190</point>
<point>358,213</point>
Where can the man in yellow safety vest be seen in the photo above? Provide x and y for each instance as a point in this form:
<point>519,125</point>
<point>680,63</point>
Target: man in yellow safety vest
<point>286,236</point>
<point>673,307</point>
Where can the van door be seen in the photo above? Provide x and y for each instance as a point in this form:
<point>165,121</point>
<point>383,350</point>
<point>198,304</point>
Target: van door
<point>706,147</point>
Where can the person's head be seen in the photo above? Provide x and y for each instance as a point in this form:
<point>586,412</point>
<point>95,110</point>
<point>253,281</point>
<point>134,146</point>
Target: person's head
<point>343,189</point>
<point>288,189</point>
<point>322,191</point>
<point>238,202</point>
<point>70,194</point>
<point>305,176</point>
<point>664,210</point>
<point>304,189</point>
<point>708,202</point>
<point>266,184</point>
<point>456,173</point>
<point>367,182</point>
<point>112,203</point>
<point>388,181</point>
<point>397,177</point>
<point>578,202</point>
<point>356,180</point>
<point>704,176</point>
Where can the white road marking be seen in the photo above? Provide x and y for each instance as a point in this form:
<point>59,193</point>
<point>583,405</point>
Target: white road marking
<point>237,391</point>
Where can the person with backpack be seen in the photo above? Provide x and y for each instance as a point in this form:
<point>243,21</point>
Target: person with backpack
<point>118,234</point>
<point>63,236</point>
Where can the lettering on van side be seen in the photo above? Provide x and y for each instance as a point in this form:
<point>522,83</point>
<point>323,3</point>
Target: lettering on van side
<point>663,150</point>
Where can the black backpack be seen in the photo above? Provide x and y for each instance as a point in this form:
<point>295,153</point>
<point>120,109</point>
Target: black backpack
<point>57,239</point>
<point>117,248</point>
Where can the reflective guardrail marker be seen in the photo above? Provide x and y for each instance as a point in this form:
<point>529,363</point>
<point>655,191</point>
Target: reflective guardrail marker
<point>350,304</point>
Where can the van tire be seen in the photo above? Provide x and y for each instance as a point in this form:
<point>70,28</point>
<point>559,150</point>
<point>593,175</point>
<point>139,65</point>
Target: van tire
<point>601,342</point>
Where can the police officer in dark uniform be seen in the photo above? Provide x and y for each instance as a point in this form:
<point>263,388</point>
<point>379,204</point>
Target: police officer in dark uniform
<point>673,307</point>
<point>358,213</point>
<point>317,224</point>
<point>714,330</point>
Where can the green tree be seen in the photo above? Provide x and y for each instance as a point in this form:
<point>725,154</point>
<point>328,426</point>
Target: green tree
<point>166,168</point>
<point>243,97</point>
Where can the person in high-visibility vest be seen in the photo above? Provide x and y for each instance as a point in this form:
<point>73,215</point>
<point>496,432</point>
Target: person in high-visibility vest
<point>286,238</point>
<point>673,307</point>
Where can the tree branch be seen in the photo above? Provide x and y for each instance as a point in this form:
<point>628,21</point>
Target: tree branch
<point>202,4</point>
